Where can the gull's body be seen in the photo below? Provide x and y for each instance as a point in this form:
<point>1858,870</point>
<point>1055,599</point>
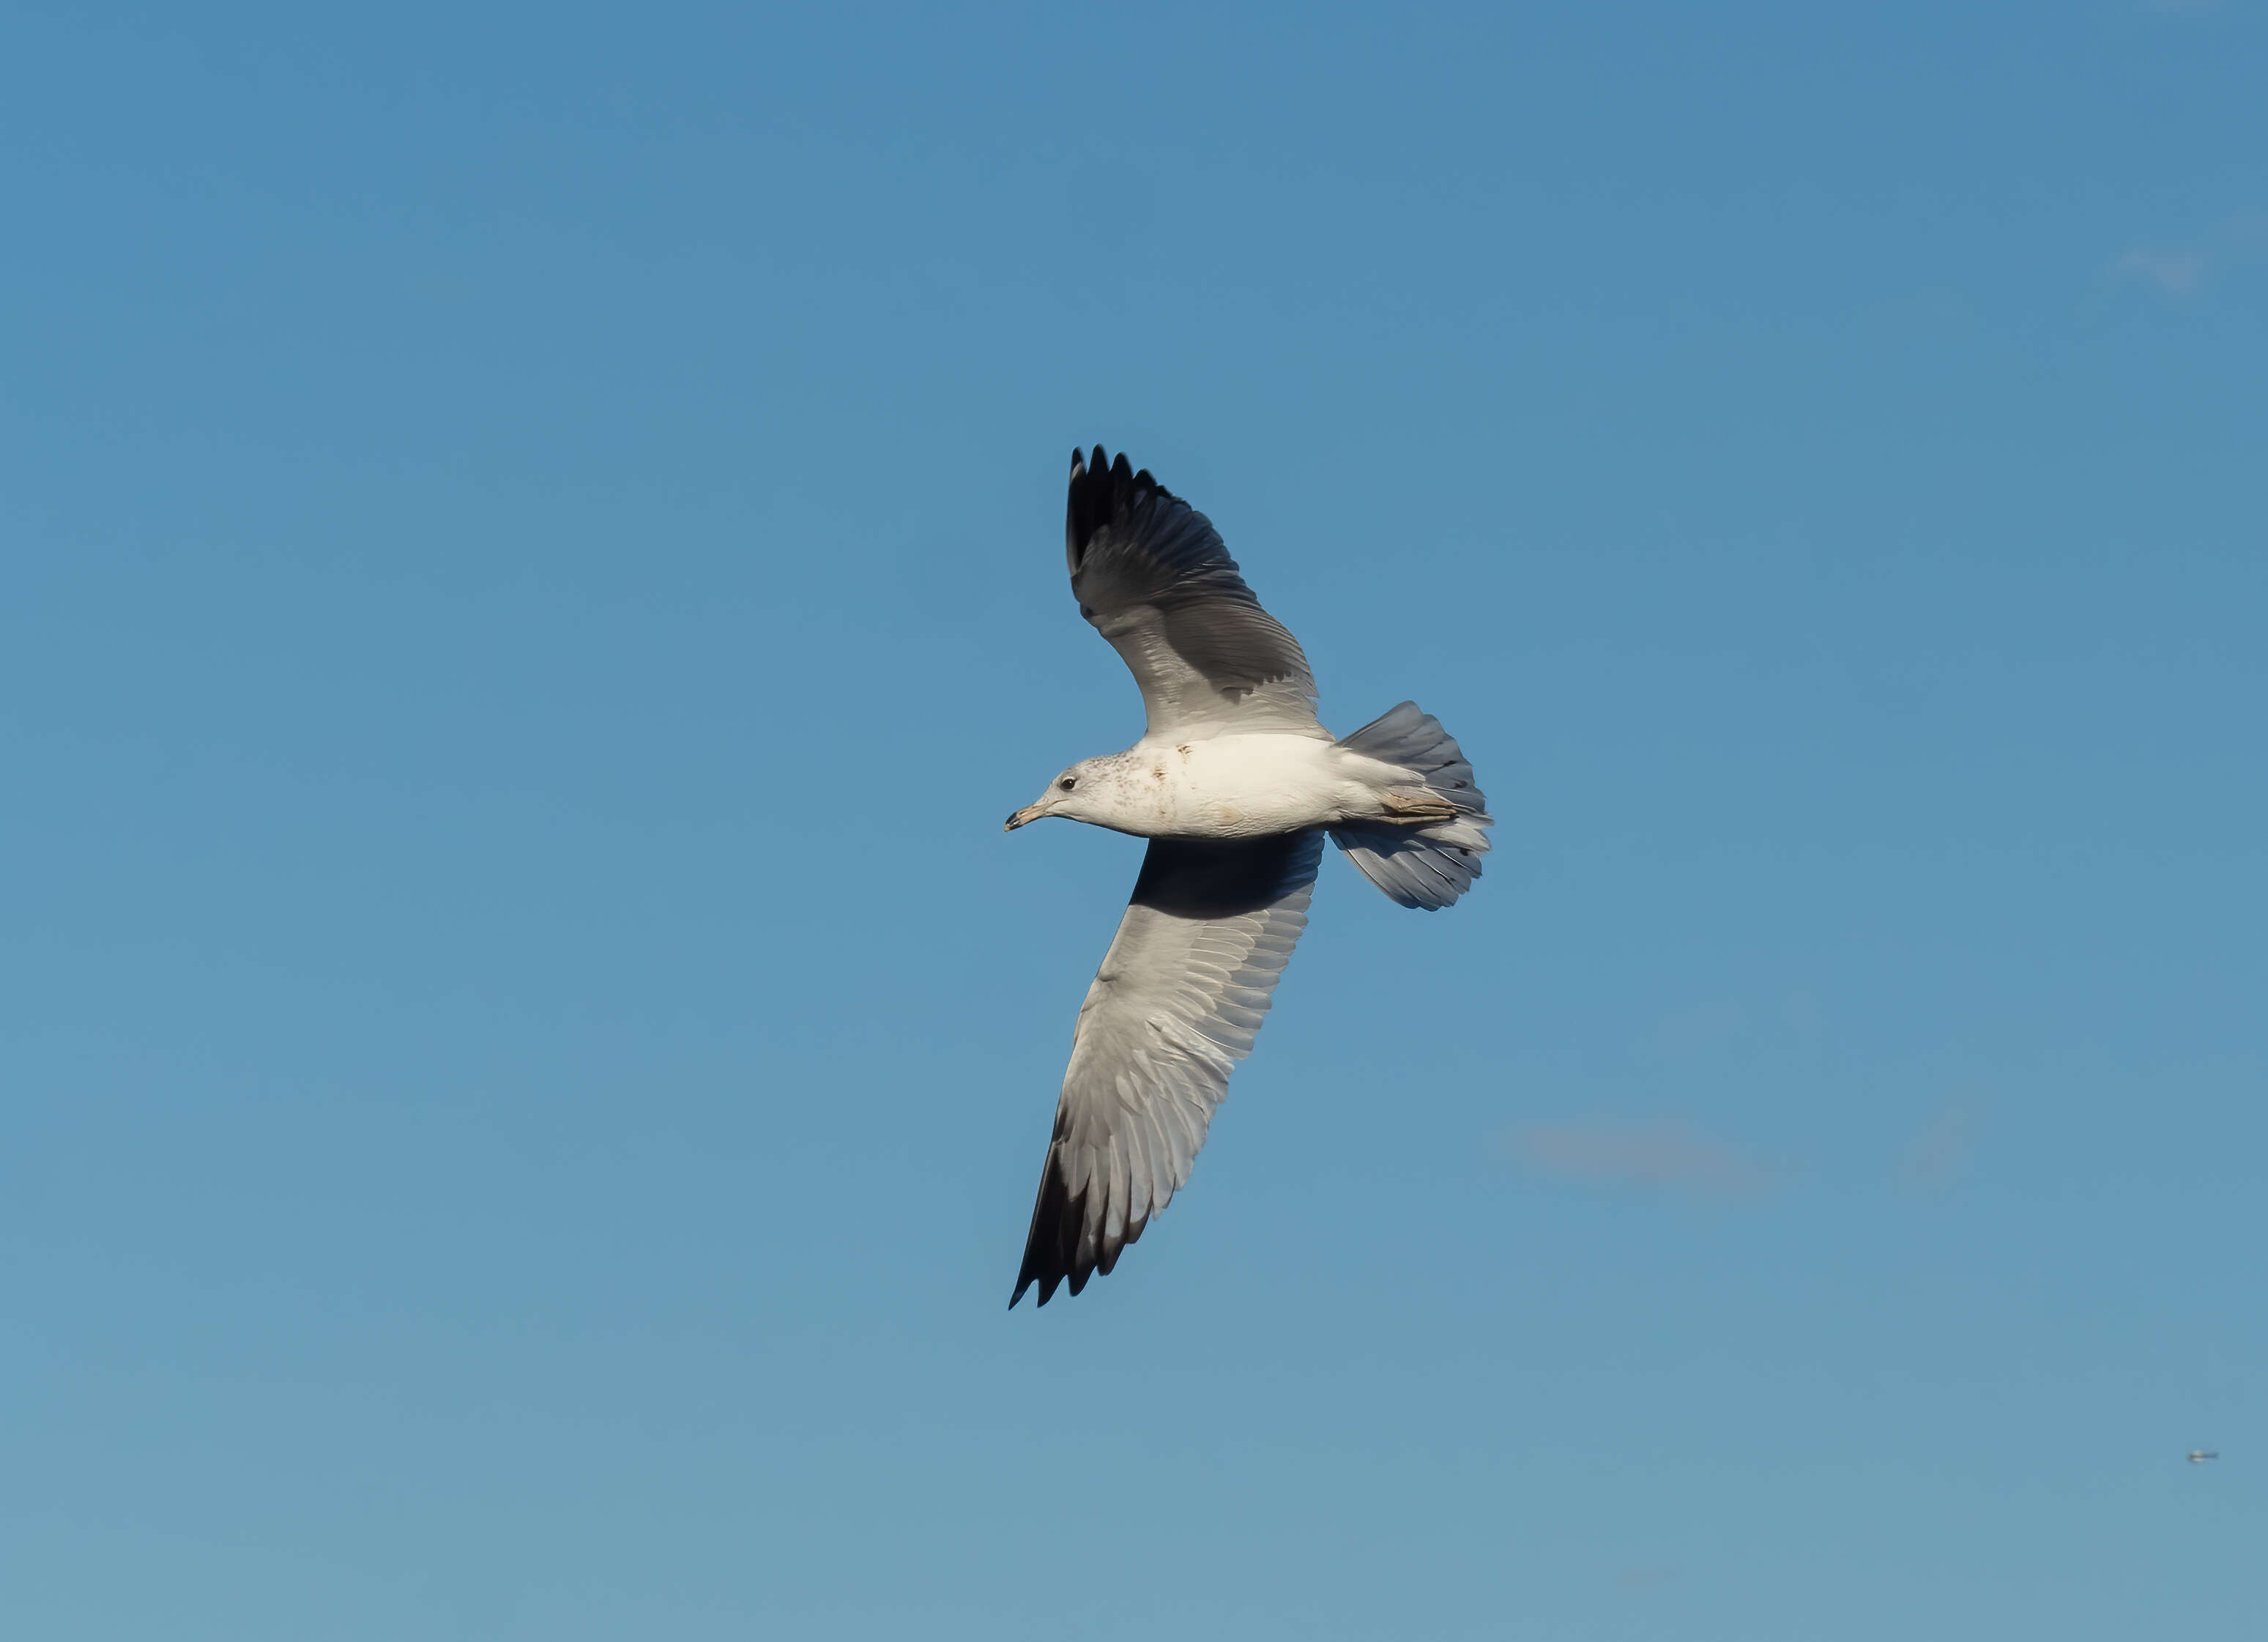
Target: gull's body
<point>1236,783</point>
<point>1241,786</point>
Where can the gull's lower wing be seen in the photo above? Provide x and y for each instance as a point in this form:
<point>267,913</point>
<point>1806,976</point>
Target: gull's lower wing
<point>1154,575</point>
<point>1176,1003</point>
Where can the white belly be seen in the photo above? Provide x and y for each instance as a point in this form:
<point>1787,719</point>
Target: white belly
<point>1245,786</point>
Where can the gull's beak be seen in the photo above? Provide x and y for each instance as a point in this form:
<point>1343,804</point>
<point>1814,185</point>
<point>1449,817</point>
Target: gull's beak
<point>1029,813</point>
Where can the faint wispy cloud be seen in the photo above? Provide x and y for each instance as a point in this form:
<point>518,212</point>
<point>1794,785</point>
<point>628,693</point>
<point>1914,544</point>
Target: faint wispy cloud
<point>2220,253</point>
<point>1934,1163</point>
<point>2178,272</point>
<point>1649,1154</point>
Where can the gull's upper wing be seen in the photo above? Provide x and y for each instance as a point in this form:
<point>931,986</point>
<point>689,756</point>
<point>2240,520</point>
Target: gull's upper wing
<point>1153,575</point>
<point>1176,1003</point>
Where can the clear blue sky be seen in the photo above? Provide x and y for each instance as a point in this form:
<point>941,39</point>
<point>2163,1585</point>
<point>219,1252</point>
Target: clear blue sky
<point>532,572</point>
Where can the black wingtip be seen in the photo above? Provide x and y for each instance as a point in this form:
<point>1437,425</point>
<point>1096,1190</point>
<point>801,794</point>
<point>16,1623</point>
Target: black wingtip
<point>1062,1250</point>
<point>1103,490</point>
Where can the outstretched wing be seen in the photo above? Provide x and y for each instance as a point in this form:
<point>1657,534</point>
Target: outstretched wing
<point>1175,1004</point>
<point>1153,575</point>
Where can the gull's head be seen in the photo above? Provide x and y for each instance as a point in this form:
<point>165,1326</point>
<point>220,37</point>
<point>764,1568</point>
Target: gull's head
<point>1074,795</point>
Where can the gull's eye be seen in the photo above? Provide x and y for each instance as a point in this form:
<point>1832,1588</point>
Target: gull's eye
<point>1066,784</point>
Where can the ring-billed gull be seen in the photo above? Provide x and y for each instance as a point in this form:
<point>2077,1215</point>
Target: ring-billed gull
<point>1234,784</point>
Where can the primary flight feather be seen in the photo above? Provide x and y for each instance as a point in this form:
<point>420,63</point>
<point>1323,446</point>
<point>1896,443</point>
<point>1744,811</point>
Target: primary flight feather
<point>1235,783</point>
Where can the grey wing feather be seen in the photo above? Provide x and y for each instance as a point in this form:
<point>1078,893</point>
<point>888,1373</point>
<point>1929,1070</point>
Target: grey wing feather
<point>1154,577</point>
<point>1176,1003</point>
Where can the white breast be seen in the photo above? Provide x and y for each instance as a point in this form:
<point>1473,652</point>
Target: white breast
<point>1243,786</point>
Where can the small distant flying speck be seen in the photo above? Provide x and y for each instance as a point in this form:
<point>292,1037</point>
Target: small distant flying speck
<point>2199,1456</point>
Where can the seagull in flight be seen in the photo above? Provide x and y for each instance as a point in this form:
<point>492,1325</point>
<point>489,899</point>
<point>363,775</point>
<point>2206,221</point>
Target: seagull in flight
<point>1235,786</point>
<point>2199,1456</point>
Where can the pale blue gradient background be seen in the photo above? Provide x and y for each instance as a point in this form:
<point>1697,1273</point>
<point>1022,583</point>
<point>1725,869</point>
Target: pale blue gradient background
<point>531,573</point>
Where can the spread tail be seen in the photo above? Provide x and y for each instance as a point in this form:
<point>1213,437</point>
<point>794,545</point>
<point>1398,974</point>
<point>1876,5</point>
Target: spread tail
<point>1423,862</point>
